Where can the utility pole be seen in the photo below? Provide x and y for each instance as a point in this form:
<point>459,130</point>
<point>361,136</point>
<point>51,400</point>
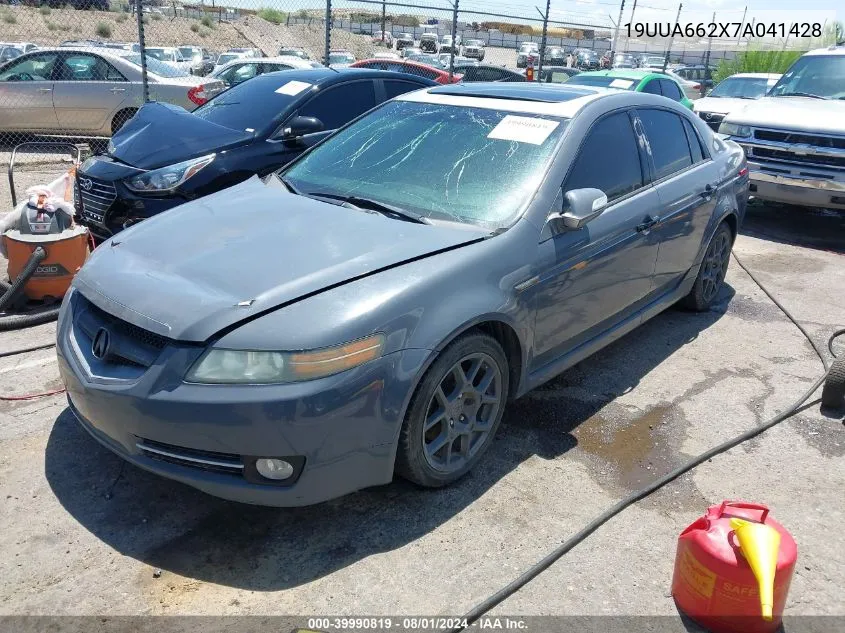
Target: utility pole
<point>707,59</point>
<point>741,24</point>
<point>383,19</point>
<point>631,20</point>
<point>142,45</point>
<point>618,26</point>
<point>454,35</point>
<point>545,34</point>
<point>672,38</point>
<point>328,31</point>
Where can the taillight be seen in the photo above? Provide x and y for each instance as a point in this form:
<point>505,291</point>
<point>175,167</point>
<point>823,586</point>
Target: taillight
<point>697,87</point>
<point>197,95</point>
<point>743,171</point>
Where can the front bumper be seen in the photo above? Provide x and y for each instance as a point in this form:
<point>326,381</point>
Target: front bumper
<point>474,54</point>
<point>806,187</point>
<point>339,431</point>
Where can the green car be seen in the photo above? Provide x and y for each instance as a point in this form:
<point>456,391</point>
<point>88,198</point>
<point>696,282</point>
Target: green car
<point>632,79</point>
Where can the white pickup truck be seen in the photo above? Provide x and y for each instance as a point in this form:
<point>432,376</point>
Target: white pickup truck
<point>794,138</point>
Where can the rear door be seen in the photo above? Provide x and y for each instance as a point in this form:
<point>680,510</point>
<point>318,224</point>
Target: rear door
<point>686,180</point>
<point>26,86</point>
<point>396,87</point>
<point>88,91</point>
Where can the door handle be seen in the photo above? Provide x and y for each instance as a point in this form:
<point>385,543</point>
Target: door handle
<point>45,90</point>
<point>645,226</point>
<point>708,190</point>
<point>116,90</point>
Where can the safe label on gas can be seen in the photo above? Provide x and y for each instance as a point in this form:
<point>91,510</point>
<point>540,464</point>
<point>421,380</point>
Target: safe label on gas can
<point>696,575</point>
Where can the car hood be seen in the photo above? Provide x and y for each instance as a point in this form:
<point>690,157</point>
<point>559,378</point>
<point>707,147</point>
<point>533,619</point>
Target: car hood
<point>720,105</point>
<point>162,134</point>
<point>793,113</point>
<point>206,265</point>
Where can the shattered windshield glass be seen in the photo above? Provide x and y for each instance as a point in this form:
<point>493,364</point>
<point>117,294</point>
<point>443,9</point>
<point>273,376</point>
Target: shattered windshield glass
<point>445,162</point>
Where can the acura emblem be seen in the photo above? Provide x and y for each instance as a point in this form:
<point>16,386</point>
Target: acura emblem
<point>100,346</point>
<point>708,116</point>
<point>86,183</point>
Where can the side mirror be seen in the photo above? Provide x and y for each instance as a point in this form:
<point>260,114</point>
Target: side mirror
<point>300,126</point>
<point>580,206</point>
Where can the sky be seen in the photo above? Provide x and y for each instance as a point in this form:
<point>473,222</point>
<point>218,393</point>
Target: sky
<point>601,12</point>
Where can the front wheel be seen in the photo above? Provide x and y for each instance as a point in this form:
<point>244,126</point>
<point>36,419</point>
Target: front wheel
<point>712,273</point>
<point>454,412</point>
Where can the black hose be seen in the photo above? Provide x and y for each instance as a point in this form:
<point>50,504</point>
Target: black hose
<point>16,288</point>
<point>24,350</point>
<point>28,319</point>
<point>799,405</point>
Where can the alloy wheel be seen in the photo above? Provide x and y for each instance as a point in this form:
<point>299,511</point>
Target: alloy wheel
<point>715,265</point>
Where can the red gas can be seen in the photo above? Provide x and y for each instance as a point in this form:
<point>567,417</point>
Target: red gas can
<point>713,582</point>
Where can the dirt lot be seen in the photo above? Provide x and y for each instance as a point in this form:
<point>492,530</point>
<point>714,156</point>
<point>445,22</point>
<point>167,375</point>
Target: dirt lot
<point>83,533</point>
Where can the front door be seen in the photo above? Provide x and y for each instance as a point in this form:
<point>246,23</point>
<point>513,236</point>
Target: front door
<point>682,173</point>
<point>596,276</point>
<point>26,94</point>
<point>88,92</point>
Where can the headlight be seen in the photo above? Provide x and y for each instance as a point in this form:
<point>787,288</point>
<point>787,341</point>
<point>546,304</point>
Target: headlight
<point>228,366</point>
<point>169,177</point>
<point>732,129</point>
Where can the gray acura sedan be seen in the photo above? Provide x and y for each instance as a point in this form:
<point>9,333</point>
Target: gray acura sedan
<point>370,308</point>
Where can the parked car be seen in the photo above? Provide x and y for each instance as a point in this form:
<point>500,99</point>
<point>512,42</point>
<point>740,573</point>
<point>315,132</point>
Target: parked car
<point>700,74</point>
<point>587,59</point>
<point>429,43</point>
<point>225,58</point>
<point>133,47</point>
<point>691,89</point>
<point>23,47</point>
<point>88,91</point>
<point>383,38</point>
<point>166,156</point>
<point>554,56</point>
<point>733,93</point>
<point>341,59</point>
<point>312,333</point>
<point>428,59</point>
<point>242,69</point>
<point>448,46</point>
<point>202,62</point>
<point>636,80</point>
<point>528,55</point>
<point>386,55</point>
<point>9,52</point>
<point>555,74</point>
<point>794,136</point>
<point>170,56</point>
<point>624,60</point>
<point>411,68</point>
<point>253,52</point>
<point>408,51</point>
<point>650,61</point>
<point>294,51</point>
<point>474,49</point>
<point>404,40</point>
<point>487,72</point>
<point>460,60</point>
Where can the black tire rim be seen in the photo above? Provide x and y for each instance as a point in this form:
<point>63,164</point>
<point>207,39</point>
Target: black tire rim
<point>715,265</point>
<point>462,411</point>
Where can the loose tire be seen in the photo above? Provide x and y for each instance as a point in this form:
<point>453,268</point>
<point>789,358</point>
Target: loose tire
<point>833,394</point>
<point>454,412</point>
<point>712,273</point>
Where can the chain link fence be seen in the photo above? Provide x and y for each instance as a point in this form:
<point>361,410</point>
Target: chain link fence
<point>73,70</point>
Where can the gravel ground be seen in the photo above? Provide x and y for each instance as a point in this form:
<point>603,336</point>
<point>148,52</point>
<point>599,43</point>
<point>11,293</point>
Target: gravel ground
<point>83,533</point>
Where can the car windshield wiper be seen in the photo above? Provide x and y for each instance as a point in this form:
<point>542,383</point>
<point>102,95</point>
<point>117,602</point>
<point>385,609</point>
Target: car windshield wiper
<point>800,94</point>
<point>374,205</point>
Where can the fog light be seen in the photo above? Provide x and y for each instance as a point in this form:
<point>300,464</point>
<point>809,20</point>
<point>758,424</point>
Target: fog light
<point>273,468</point>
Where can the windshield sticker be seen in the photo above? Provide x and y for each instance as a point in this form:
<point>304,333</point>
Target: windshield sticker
<point>625,84</point>
<point>293,88</point>
<point>523,129</point>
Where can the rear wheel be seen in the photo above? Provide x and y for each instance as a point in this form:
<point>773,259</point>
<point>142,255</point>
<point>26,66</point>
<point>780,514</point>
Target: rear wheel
<point>454,412</point>
<point>712,273</point>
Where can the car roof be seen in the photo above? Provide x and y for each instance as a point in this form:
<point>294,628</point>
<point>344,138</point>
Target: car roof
<point>755,76</point>
<point>624,73</point>
<point>327,76</point>
<point>99,50</point>
<point>830,50</point>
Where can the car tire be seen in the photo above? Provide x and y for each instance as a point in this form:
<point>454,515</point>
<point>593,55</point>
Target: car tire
<point>121,118</point>
<point>712,272</point>
<point>454,412</point>
<point>833,394</point>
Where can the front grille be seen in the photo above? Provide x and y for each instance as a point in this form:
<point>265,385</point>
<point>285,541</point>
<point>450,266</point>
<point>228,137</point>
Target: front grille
<point>193,458</point>
<point>95,199</point>
<point>800,138</point>
<point>712,119</point>
<point>808,159</point>
<point>129,344</point>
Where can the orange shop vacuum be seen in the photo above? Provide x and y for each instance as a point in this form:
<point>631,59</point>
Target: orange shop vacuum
<point>733,568</point>
<point>45,250</point>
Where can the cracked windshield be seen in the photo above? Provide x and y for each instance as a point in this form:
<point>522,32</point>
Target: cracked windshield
<point>439,162</point>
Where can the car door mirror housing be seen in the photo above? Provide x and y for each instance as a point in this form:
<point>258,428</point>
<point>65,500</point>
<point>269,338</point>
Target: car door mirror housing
<point>300,126</point>
<point>580,206</point>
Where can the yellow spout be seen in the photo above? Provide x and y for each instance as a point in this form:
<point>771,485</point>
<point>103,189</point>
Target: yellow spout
<point>759,544</point>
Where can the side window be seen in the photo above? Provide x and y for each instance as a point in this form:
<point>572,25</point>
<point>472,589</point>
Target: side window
<point>611,136</point>
<point>394,87</point>
<point>84,67</point>
<point>694,142</point>
<point>671,90</point>
<point>356,98</point>
<point>37,67</point>
<point>652,87</point>
<point>668,141</point>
